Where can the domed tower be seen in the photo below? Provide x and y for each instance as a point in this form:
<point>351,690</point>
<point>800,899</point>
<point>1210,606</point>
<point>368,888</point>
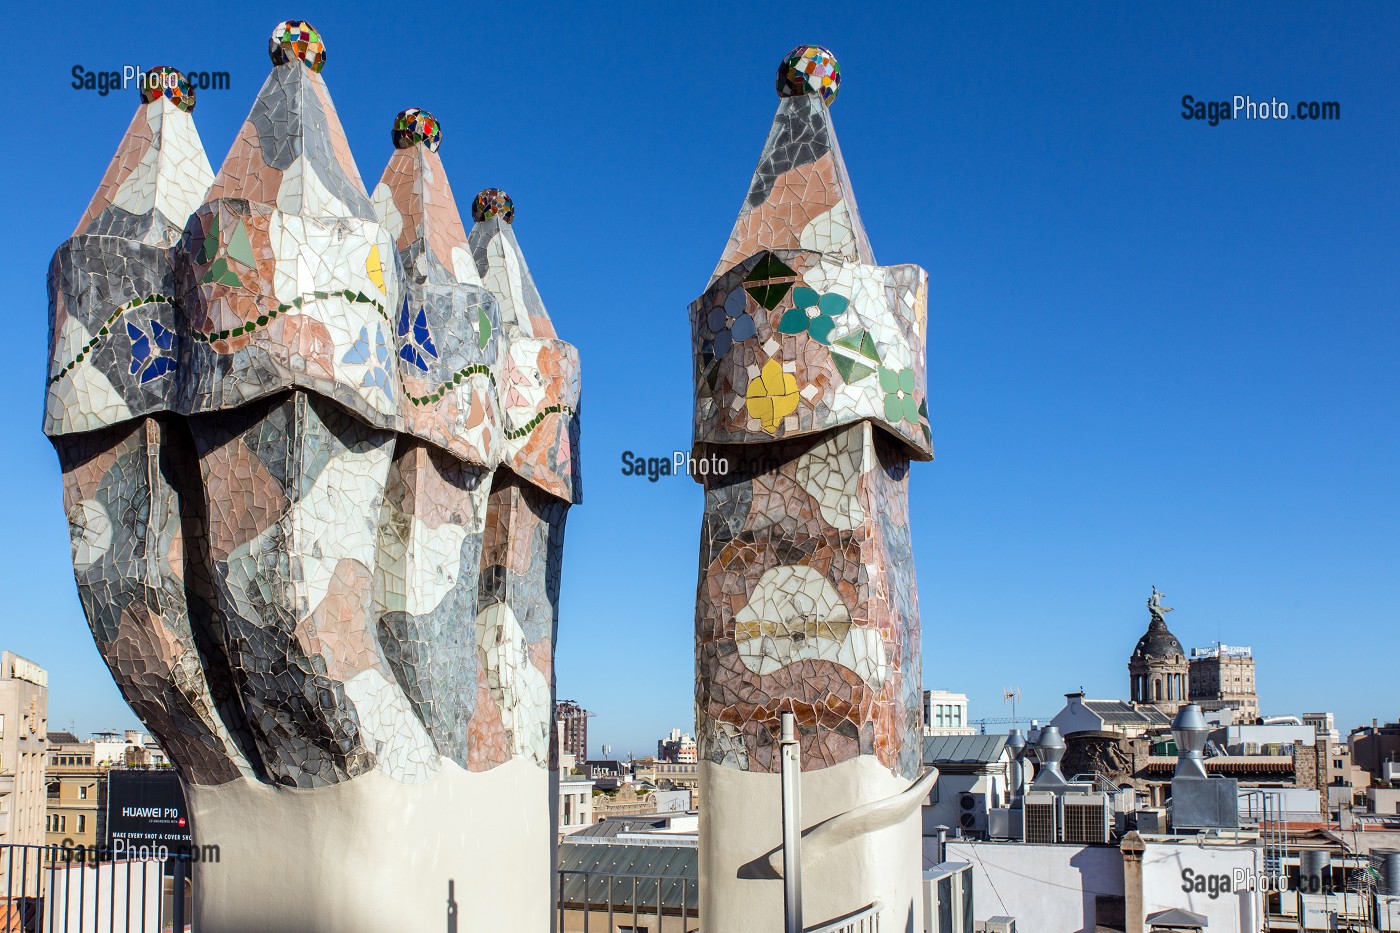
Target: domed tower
<point>1158,669</point>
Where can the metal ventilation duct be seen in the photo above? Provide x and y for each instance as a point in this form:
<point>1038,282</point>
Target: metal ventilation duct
<point>1190,730</point>
<point>1016,745</point>
<point>1049,749</point>
<point>1315,871</point>
<point>1387,863</point>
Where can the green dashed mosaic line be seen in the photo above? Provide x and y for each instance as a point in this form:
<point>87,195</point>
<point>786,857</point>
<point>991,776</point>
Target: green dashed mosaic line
<point>106,329</point>
<point>560,408</point>
<point>262,320</point>
<point>475,369</point>
<point>248,327</point>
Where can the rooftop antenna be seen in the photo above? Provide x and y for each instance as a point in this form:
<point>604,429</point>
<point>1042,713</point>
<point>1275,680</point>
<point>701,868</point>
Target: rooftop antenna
<point>1013,696</point>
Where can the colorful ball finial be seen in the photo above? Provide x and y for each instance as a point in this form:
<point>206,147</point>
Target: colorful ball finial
<point>164,81</point>
<point>493,202</point>
<point>296,40</point>
<point>809,69</point>
<point>413,127</point>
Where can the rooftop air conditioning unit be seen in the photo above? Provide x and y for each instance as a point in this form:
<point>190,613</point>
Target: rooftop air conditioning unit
<point>1000,925</point>
<point>1152,820</point>
<point>948,898</point>
<point>1088,819</point>
<point>999,823</point>
<point>972,813</point>
<point>1041,819</point>
<point>1316,913</point>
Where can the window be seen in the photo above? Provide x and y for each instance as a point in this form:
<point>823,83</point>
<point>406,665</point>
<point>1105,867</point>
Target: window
<point>62,823</point>
<point>82,792</point>
<point>82,822</point>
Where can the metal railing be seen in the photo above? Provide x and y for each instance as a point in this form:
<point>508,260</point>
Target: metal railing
<point>865,920</point>
<point>657,903</point>
<point>1099,781</point>
<point>61,889</point>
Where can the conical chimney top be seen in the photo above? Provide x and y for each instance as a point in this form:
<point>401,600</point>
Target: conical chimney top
<point>291,152</point>
<point>503,268</point>
<point>159,174</point>
<point>801,195</point>
<point>415,203</point>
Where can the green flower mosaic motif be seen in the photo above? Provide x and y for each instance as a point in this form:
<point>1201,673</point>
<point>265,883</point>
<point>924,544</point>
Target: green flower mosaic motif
<point>813,314</point>
<point>898,386</point>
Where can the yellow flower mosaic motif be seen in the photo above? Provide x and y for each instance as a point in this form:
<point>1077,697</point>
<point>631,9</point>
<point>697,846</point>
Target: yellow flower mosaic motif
<point>374,268</point>
<point>772,396</point>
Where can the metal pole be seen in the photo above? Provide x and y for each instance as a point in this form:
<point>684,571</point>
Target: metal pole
<point>178,907</point>
<point>792,825</point>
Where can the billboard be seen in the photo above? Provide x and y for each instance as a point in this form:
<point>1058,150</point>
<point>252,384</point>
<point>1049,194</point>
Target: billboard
<point>145,808</point>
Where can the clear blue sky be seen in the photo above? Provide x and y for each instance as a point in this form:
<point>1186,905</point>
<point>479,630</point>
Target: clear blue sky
<point>1160,352</point>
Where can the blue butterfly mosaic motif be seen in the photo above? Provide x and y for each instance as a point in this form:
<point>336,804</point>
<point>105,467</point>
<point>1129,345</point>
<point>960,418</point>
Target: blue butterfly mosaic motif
<point>422,339</point>
<point>377,374</point>
<point>147,350</point>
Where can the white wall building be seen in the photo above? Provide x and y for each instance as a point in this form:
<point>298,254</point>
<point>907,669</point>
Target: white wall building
<point>113,748</point>
<point>678,747</point>
<point>1383,801</point>
<point>1325,723</point>
<point>1269,739</point>
<point>575,804</point>
<point>945,713</point>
